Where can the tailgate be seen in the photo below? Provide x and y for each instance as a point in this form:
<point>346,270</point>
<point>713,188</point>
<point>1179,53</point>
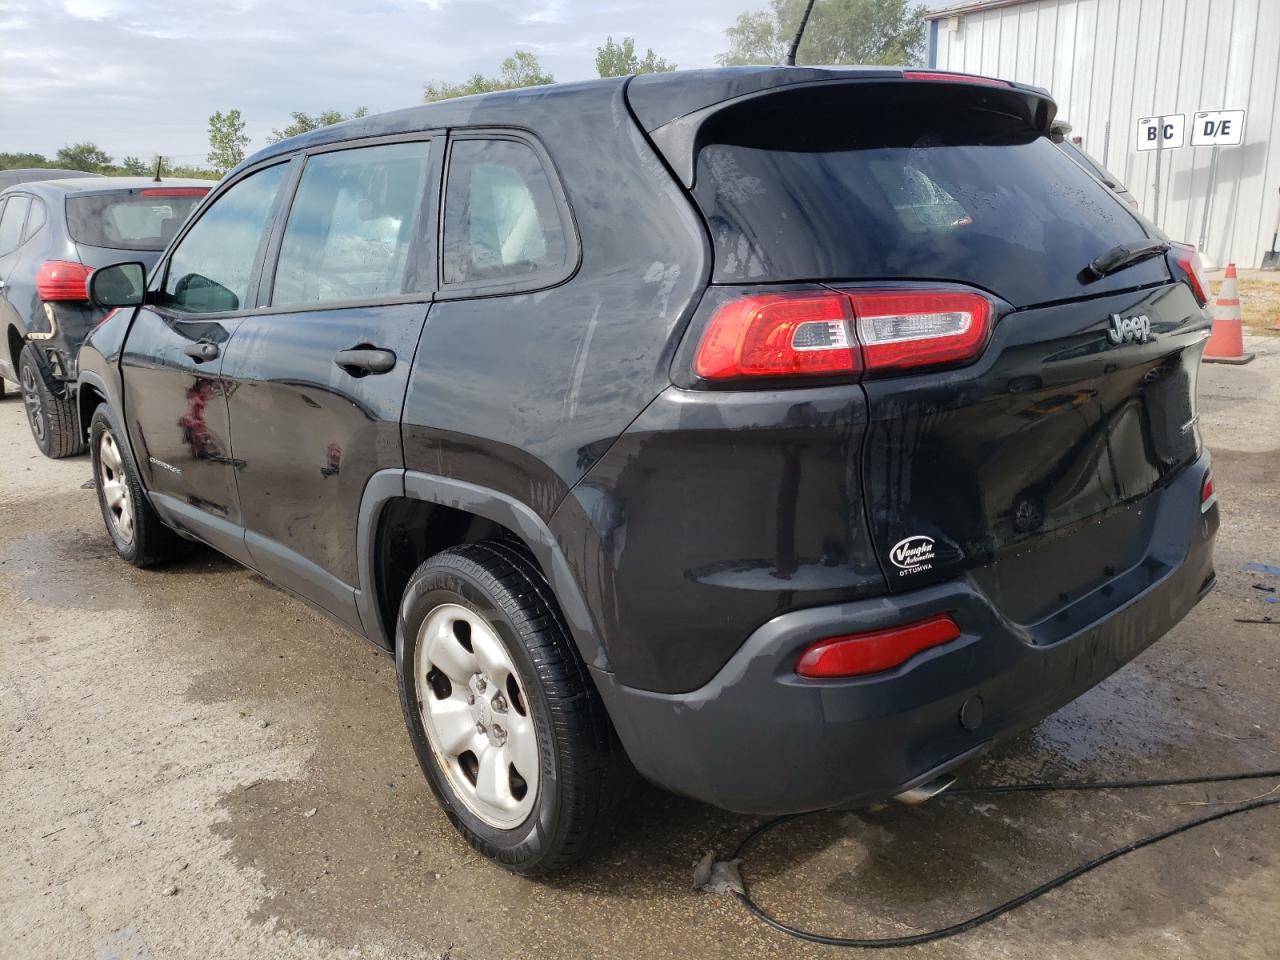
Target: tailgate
<point>1035,462</point>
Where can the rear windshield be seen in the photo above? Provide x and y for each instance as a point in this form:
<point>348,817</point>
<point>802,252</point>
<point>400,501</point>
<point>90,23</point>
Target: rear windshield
<point>907,181</point>
<point>133,220</point>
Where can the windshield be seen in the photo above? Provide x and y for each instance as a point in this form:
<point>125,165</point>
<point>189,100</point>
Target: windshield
<point>905,182</point>
<point>133,220</point>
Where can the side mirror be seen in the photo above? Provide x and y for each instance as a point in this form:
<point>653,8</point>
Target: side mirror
<point>119,285</point>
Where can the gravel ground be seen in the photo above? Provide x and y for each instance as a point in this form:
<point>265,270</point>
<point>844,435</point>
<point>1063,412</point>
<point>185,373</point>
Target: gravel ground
<point>195,765</point>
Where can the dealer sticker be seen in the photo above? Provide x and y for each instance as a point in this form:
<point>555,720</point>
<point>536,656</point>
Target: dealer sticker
<point>912,555</point>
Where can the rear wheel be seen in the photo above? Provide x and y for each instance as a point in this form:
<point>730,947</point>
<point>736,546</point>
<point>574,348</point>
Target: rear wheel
<point>139,536</point>
<point>506,724</point>
<point>51,411</point>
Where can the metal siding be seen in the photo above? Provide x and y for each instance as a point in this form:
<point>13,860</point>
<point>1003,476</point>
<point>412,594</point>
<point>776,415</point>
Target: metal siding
<point>1113,61</point>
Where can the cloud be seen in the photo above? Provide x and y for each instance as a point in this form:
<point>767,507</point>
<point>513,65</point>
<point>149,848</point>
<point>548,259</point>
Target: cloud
<point>142,76</point>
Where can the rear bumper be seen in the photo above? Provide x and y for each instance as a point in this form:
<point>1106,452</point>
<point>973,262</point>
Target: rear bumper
<point>758,739</point>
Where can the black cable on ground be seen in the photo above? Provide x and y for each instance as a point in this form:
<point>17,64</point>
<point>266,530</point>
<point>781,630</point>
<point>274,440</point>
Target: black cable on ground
<point>976,921</point>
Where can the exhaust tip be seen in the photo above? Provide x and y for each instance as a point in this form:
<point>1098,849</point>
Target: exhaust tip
<point>925,791</point>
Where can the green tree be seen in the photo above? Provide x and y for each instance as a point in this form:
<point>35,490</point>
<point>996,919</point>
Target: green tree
<point>305,123</point>
<point>521,69</point>
<point>227,140</point>
<point>134,167</point>
<point>839,31</point>
<point>82,156</point>
<point>620,60</point>
<point>16,161</point>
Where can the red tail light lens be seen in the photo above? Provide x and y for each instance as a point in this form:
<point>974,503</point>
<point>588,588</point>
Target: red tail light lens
<point>807,332</point>
<point>862,653</point>
<point>1208,496</point>
<point>904,329</point>
<point>778,335</point>
<point>175,191</point>
<point>1188,260</point>
<point>936,75</point>
<point>63,280</point>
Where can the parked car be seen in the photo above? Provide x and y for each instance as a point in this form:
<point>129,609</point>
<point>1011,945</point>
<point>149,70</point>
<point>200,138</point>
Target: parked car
<point>661,421</point>
<point>1062,137</point>
<point>52,234</point>
<point>30,174</point>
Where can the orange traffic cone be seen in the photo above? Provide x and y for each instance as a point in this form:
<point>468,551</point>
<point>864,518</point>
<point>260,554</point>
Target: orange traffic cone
<point>1226,345</point>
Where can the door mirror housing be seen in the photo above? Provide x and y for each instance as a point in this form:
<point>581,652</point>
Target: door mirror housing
<point>119,285</point>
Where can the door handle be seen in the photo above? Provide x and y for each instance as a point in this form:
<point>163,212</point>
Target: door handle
<point>362,360</point>
<point>201,351</point>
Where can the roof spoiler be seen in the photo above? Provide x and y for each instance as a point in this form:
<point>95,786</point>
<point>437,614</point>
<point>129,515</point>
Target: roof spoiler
<point>680,139</point>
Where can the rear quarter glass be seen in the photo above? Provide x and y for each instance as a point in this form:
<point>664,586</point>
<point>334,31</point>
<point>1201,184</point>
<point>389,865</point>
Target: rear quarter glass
<point>906,181</point>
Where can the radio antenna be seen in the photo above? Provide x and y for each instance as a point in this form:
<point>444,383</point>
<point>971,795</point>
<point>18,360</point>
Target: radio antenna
<point>790,59</point>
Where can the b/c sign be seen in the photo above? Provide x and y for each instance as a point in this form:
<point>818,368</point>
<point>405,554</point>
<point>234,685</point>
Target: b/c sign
<point>1217,128</point>
<point>1162,133</point>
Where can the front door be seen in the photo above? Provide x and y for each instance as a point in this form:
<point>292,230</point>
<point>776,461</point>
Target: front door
<point>174,394</point>
<point>316,382</point>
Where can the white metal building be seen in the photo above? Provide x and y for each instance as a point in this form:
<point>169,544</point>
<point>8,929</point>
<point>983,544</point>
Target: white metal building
<point>1111,63</point>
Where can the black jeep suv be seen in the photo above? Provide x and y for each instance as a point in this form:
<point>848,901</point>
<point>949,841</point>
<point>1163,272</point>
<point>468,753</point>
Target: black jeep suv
<point>788,434</point>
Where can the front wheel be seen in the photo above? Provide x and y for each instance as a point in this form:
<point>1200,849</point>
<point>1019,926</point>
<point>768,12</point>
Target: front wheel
<point>51,411</point>
<point>506,724</point>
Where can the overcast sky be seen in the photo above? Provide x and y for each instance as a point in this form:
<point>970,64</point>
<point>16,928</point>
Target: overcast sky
<point>141,77</point>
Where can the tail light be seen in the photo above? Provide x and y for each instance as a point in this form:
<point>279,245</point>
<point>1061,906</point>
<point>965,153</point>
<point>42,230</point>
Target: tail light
<point>938,75</point>
<point>915,329</point>
<point>778,335</point>
<point>174,191</point>
<point>861,653</point>
<point>1187,259</point>
<point>63,280</point>
<point>1208,496</point>
<point>799,333</point>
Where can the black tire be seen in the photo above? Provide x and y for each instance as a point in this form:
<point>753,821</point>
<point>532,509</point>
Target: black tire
<point>51,410</point>
<point>583,772</point>
<point>150,542</point>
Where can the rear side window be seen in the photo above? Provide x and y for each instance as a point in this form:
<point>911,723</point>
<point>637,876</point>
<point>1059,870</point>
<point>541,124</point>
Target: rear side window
<point>905,181</point>
<point>11,220</point>
<point>210,269</point>
<point>502,222</point>
<point>352,227</point>
<point>35,219</point>
<point>133,220</point>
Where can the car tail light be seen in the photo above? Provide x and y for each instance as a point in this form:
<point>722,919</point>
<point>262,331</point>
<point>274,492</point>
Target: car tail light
<point>904,329</point>
<point>1188,260</point>
<point>937,75</point>
<point>1208,496</point>
<point>63,280</point>
<point>175,191</point>
<point>826,332</point>
<point>779,335</point>
<point>861,653</point>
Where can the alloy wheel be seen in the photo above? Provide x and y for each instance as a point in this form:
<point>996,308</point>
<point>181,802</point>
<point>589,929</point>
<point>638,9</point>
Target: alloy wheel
<point>476,716</point>
<point>115,491</point>
<point>31,397</point>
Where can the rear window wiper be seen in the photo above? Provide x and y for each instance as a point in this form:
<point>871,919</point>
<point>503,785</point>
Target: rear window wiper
<point>1120,256</point>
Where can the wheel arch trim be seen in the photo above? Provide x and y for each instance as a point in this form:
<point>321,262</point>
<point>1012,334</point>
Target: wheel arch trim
<point>501,509</point>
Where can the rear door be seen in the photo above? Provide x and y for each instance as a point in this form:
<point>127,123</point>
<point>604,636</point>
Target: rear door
<point>174,393</point>
<point>1029,456</point>
<point>316,382</point>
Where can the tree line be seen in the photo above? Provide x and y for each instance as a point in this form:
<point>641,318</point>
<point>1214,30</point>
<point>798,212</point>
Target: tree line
<point>839,32</point>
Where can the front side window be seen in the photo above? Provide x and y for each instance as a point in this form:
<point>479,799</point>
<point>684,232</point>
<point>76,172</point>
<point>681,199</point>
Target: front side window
<point>11,220</point>
<point>352,226</point>
<point>501,219</point>
<point>209,271</point>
